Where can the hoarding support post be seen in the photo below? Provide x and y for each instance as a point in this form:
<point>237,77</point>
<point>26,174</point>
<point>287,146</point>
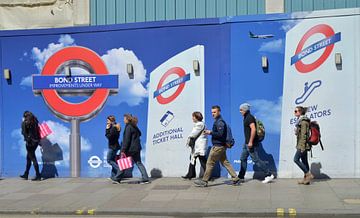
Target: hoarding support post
<point>75,148</point>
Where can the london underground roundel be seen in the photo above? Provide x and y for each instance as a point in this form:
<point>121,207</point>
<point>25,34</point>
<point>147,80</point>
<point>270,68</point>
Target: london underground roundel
<point>179,83</point>
<point>328,43</point>
<point>94,102</point>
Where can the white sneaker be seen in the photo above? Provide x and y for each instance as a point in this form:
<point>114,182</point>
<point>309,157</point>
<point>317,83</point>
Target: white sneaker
<point>268,179</point>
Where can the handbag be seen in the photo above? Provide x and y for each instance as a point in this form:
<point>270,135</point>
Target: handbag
<point>192,140</point>
<point>51,153</point>
<point>124,162</point>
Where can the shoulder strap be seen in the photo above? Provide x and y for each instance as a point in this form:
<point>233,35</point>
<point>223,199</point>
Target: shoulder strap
<point>322,147</point>
<point>199,134</point>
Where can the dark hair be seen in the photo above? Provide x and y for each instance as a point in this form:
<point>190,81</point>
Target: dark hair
<point>302,109</point>
<point>198,116</point>
<point>27,113</point>
<point>134,120</point>
<point>216,107</point>
<point>30,118</point>
<point>129,117</point>
<point>111,118</point>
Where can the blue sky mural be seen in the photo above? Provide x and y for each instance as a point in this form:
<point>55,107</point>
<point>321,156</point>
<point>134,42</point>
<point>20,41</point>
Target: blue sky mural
<point>233,75</point>
<point>144,48</point>
<point>250,83</point>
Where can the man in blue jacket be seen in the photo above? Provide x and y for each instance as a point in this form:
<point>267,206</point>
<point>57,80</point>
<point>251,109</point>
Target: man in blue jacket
<point>218,150</point>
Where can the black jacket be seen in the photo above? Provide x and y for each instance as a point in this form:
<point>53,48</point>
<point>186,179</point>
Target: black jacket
<point>31,132</point>
<point>131,140</point>
<point>219,132</point>
<point>112,134</point>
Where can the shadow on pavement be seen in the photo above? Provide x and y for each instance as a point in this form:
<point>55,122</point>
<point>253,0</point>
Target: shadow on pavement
<point>316,171</point>
<point>267,158</point>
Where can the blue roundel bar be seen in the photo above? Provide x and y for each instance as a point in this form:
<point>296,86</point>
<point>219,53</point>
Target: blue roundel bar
<point>172,84</point>
<point>75,82</point>
<point>315,47</point>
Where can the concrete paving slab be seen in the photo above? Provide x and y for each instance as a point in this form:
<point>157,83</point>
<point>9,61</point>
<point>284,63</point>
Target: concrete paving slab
<point>191,196</point>
<point>176,197</point>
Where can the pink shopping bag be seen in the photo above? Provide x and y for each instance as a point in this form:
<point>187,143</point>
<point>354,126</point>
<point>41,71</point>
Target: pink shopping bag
<point>124,162</point>
<point>44,130</point>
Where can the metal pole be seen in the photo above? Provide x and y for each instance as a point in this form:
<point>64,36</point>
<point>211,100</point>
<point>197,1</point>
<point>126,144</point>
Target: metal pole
<point>75,148</point>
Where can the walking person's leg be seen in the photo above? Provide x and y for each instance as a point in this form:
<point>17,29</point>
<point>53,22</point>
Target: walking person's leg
<point>28,165</point>
<point>308,176</point>
<point>33,159</point>
<point>305,168</point>
<point>202,160</point>
<point>243,160</point>
<point>115,171</point>
<point>300,164</point>
<point>191,169</point>
<point>304,160</point>
<point>261,164</point>
<point>137,159</point>
<point>210,163</point>
<point>224,161</point>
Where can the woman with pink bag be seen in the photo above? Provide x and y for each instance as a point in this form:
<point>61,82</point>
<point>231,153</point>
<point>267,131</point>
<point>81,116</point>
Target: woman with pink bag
<point>131,145</point>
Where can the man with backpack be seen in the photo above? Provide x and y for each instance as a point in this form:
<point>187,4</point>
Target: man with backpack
<point>218,150</point>
<point>251,146</point>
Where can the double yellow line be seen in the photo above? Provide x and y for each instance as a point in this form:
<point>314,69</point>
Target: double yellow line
<point>85,212</point>
<point>280,212</point>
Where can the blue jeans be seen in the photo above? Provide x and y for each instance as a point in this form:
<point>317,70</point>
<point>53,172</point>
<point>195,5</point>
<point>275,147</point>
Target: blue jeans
<point>115,171</point>
<point>303,164</point>
<point>137,160</point>
<point>246,151</point>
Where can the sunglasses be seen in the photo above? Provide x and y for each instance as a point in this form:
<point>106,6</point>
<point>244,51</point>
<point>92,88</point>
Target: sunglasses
<point>296,111</point>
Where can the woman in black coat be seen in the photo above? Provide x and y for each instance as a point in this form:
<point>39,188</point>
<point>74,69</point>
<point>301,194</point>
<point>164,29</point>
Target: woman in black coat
<point>31,132</point>
<point>131,144</point>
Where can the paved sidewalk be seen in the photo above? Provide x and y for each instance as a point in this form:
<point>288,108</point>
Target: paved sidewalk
<point>178,197</point>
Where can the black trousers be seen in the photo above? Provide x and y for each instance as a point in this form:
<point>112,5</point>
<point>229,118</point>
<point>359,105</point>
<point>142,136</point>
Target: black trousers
<point>31,157</point>
<point>192,172</point>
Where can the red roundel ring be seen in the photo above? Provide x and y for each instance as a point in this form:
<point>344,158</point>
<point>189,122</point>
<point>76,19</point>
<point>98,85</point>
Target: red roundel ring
<point>321,28</point>
<point>175,70</point>
<point>94,102</point>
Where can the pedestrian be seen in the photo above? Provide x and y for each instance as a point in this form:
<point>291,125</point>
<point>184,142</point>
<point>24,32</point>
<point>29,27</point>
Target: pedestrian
<point>131,145</point>
<point>199,147</point>
<point>302,127</point>
<point>251,146</point>
<point>112,133</point>
<point>31,132</point>
<point>218,150</point>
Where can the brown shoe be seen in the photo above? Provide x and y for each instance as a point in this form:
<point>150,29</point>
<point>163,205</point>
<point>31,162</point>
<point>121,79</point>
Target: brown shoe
<point>307,179</point>
<point>301,182</point>
<point>311,175</point>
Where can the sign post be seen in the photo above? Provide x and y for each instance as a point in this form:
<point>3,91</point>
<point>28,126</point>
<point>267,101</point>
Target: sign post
<point>75,145</point>
<point>51,84</point>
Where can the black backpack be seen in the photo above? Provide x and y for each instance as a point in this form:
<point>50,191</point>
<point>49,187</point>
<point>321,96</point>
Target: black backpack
<point>230,141</point>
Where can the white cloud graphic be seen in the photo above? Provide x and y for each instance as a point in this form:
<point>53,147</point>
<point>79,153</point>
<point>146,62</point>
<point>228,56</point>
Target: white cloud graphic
<point>131,91</point>
<point>295,19</point>
<point>274,46</point>
<point>26,81</point>
<point>60,135</point>
<point>269,112</point>
<point>41,56</point>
